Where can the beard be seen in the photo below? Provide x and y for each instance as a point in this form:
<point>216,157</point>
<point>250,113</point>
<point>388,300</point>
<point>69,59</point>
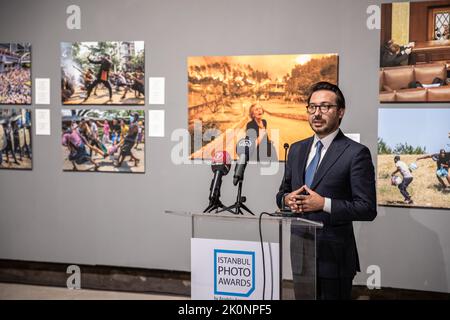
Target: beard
<point>323,126</point>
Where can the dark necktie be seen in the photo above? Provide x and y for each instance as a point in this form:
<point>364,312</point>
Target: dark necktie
<point>312,168</point>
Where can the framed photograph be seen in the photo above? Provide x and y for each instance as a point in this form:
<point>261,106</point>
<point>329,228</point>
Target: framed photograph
<point>109,72</point>
<point>103,140</point>
<point>15,73</point>
<point>16,150</point>
<point>414,158</point>
<point>261,97</point>
<point>415,52</point>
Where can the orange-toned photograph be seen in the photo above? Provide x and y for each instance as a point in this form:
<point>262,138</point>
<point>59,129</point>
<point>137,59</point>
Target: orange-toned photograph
<point>259,97</point>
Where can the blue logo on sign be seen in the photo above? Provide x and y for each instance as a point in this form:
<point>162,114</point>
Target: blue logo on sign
<point>234,273</point>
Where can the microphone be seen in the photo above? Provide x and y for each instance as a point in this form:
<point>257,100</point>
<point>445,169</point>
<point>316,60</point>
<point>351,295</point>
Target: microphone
<point>221,165</point>
<point>243,150</point>
<point>286,147</point>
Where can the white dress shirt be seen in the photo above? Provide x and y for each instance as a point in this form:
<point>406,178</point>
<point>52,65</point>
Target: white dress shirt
<point>326,142</point>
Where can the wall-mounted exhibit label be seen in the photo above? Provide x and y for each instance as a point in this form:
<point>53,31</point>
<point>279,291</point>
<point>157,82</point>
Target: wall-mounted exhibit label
<point>354,136</point>
<point>156,90</point>
<point>232,270</point>
<point>156,123</point>
<point>42,122</point>
<point>42,91</point>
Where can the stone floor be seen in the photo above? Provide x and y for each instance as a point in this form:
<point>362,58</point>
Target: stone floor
<point>9,291</point>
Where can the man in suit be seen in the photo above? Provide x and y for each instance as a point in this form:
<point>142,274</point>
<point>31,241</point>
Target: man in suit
<point>331,179</point>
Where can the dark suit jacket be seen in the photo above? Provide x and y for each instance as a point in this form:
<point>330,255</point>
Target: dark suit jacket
<point>264,149</point>
<point>345,175</point>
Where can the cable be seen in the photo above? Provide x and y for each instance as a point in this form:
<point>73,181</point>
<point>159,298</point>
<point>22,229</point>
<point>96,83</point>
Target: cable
<point>262,252</point>
<point>271,272</point>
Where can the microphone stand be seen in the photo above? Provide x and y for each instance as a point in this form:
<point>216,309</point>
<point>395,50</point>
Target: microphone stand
<point>214,204</point>
<point>239,204</point>
<point>284,212</point>
<point>286,147</point>
<point>214,199</point>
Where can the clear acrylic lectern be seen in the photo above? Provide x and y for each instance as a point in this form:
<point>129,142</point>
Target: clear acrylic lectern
<point>285,269</point>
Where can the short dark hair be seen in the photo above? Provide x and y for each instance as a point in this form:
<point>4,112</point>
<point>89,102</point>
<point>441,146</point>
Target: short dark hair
<point>323,85</point>
<point>397,158</point>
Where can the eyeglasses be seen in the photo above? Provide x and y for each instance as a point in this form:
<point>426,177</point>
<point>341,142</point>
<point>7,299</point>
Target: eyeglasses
<point>324,108</point>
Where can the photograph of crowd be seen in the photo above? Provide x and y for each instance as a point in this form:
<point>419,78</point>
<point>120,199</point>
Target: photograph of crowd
<point>260,97</point>
<point>103,140</point>
<point>103,73</point>
<point>413,169</point>
<point>15,139</point>
<point>415,52</point>
<point>15,73</point>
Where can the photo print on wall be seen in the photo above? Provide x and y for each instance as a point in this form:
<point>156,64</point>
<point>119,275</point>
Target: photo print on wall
<point>15,139</point>
<point>414,157</point>
<point>262,97</point>
<point>15,73</point>
<point>415,52</point>
<point>110,72</point>
<point>103,140</point>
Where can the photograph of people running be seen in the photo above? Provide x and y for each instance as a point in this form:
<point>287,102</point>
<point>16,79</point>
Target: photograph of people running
<point>413,158</point>
<point>103,140</point>
<point>103,73</point>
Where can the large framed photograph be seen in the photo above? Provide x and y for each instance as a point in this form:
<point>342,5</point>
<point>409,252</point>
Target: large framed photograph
<point>414,158</point>
<point>16,139</point>
<point>109,72</point>
<point>103,140</point>
<point>15,73</point>
<point>415,52</point>
<point>262,97</point>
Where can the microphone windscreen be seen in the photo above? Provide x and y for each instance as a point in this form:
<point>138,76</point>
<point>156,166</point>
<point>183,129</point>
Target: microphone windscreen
<point>244,147</point>
<point>221,161</point>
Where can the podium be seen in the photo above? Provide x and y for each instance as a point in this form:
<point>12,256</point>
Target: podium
<point>267,257</point>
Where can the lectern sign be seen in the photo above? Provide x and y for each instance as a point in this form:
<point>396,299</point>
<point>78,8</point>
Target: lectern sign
<point>234,273</point>
<point>228,269</point>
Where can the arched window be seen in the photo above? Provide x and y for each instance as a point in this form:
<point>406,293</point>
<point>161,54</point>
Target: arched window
<point>441,23</point>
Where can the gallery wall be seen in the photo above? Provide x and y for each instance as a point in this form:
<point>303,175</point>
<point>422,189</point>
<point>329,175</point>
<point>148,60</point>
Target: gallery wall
<point>118,219</point>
